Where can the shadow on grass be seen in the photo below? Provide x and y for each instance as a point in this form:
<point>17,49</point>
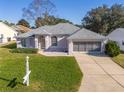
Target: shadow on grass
<point>9,46</point>
<point>12,83</point>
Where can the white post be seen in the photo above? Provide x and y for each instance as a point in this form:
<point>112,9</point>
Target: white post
<point>26,77</point>
<point>70,47</point>
<point>27,70</point>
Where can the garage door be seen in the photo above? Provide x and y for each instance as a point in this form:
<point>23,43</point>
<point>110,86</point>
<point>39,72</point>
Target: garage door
<point>87,46</point>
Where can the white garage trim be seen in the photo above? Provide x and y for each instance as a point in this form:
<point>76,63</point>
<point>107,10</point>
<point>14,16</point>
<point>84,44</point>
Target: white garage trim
<point>71,46</point>
<point>87,46</point>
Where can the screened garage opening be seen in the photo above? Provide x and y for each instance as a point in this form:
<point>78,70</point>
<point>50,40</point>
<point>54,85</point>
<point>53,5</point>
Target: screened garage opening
<point>87,46</point>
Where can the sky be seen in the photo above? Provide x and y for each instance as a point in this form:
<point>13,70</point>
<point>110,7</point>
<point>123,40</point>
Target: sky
<point>73,10</point>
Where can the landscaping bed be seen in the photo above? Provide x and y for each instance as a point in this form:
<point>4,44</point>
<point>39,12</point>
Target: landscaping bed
<point>48,73</point>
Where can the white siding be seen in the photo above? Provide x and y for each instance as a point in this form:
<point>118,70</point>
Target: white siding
<point>7,32</point>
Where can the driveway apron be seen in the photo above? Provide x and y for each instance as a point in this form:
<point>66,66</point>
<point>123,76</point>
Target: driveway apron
<point>100,73</point>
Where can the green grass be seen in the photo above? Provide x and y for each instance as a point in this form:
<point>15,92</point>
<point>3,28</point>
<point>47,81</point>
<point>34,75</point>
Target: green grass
<point>119,60</point>
<point>48,73</point>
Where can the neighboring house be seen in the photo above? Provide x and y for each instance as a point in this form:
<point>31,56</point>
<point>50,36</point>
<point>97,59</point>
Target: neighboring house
<point>118,36</point>
<point>7,33</point>
<point>62,37</point>
<point>21,29</point>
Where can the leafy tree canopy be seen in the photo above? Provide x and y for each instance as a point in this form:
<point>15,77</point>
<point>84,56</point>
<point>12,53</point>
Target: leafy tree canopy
<point>49,20</point>
<point>7,23</point>
<point>104,19</point>
<point>23,22</point>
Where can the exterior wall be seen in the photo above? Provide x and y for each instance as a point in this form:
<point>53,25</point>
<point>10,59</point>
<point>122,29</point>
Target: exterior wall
<point>7,33</point>
<point>62,44</point>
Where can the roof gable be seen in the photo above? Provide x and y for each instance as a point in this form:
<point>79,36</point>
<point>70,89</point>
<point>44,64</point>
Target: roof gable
<point>5,28</point>
<point>85,34</point>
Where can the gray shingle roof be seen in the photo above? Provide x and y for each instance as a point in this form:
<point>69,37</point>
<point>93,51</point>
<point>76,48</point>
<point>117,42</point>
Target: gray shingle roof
<point>25,35</point>
<point>85,34</point>
<point>59,29</point>
<point>117,33</point>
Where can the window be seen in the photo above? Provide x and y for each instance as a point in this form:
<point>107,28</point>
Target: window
<point>31,42</point>
<point>23,42</point>
<point>122,42</point>
<point>14,35</point>
<point>8,39</point>
<point>54,41</point>
<point>1,36</point>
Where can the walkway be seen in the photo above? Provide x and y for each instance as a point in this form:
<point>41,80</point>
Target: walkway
<point>53,53</point>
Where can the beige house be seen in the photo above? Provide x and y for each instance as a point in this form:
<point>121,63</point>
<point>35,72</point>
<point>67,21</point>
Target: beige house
<point>63,37</point>
<point>7,33</point>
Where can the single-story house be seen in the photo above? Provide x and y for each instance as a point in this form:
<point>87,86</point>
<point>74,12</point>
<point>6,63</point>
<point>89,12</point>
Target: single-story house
<point>118,36</point>
<point>7,33</point>
<point>62,37</point>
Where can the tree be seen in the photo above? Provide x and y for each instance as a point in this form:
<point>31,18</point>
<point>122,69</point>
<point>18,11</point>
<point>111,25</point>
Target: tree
<point>50,20</point>
<point>112,49</point>
<point>80,26</point>
<point>104,19</point>
<point>23,22</point>
<point>38,8</point>
<point>7,23</point>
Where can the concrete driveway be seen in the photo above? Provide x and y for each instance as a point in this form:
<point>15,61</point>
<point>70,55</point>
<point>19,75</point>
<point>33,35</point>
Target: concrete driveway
<point>100,73</point>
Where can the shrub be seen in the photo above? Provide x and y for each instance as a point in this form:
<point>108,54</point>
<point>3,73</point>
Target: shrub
<point>24,50</point>
<point>10,46</point>
<point>112,49</point>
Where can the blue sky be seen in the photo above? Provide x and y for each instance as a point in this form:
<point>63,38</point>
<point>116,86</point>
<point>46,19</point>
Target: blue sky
<point>73,10</point>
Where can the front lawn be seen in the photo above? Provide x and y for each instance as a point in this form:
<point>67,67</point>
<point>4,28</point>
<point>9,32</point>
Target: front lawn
<point>48,73</point>
<point>119,60</point>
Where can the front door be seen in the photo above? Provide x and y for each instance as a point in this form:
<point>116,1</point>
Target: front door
<point>42,42</point>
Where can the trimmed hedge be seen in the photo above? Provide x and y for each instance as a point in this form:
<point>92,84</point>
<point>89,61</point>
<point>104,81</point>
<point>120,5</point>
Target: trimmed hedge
<point>24,50</point>
<point>112,49</point>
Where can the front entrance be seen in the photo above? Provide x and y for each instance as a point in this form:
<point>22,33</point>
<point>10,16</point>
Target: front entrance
<point>42,42</point>
<point>87,46</point>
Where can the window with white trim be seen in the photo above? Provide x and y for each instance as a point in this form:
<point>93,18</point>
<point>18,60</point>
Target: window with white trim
<point>54,41</point>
